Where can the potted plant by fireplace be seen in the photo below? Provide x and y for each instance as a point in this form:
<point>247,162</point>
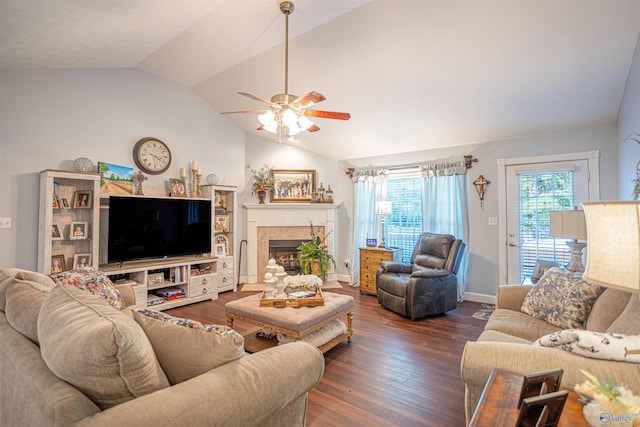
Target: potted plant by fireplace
<point>314,257</point>
<point>262,182</point>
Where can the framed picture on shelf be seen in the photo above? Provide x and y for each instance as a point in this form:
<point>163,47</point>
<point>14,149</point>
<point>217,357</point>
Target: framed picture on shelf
<point>65,203</point>
<point>177,188</point>
<point>155,279</point>
<point>219,249</point>
<point>56,234</point>
<point>83,199</point>
<point>293,185</point>
<point>81,261</point>
<point>57,264</point>
<point>223,240</point>
<point>78,231</point>
<point>222,223</point>
<point>115,179</point>
<point>56,203</point>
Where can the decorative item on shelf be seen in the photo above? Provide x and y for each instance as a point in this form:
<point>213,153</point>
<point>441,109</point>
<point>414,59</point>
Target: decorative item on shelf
<point>314,197</point>
<point>57,264</point>
<point>115,179</point>
<point>481,186</point>
<point>570,224</point>
<point>196,188</point>
<point>81,261</point>
<point>139,178</point>
<point>78,230</point>
<point>83,165</point>
<point>613,258</point>
<point>314,256</point>
<point>212,179</point>
<point>329,195</point>
<point>383,208</point>
<point>321,195</point>
<point>293,185</point>
<point>607,402</point>
<point>263,181</point>
<point>177,188</point>
<point>83,199</point>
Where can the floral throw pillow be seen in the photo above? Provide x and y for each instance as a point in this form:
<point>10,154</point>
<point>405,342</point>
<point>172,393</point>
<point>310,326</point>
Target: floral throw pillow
<point>561,298</point>
<point>93,281</point>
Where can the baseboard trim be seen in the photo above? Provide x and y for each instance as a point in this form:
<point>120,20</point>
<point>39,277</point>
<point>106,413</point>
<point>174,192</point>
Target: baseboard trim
<point>482,298</point>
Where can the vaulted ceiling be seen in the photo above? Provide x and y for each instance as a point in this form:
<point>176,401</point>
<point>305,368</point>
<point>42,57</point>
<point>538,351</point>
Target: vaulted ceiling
<point>414,74</point>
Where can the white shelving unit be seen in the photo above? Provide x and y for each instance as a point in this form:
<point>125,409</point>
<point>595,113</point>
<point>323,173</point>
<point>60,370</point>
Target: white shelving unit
<point>55,236</point>
<point>224,199</point>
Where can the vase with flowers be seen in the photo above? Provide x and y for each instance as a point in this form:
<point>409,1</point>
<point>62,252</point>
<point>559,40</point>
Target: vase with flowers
<point>608,403</point>
<point>262,182</point>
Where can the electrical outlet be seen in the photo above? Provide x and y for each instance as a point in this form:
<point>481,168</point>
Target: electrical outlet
<point>493,220</point>
<point>5,222</point>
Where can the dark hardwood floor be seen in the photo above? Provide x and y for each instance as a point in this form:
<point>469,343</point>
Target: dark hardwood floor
<point>395,372</point>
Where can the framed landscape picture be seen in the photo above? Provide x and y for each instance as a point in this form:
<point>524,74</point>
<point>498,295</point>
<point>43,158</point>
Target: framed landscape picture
<point>293,185</point>
<point>115,179</point>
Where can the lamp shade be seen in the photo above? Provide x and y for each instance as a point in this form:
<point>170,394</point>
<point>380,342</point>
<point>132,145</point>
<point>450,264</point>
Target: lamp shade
<point>568,224</point>
<point>613,232</point>
<point>383,208</point>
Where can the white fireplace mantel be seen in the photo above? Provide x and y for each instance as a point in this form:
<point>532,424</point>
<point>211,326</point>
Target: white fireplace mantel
<point>287,215</point>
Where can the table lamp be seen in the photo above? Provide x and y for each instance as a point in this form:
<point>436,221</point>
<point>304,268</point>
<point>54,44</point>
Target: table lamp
<point>613,258</point>
<point>383,208</point>
<point>570,225</point>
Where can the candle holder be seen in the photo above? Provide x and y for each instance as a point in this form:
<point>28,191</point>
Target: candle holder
<point>198,186</point>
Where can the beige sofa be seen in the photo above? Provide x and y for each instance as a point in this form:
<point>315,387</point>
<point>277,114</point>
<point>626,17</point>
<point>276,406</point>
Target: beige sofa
<point>508,337</point>
<point>268,388</point>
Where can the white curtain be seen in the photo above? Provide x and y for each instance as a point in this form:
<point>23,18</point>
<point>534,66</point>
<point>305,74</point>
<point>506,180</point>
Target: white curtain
<point>368,188</point>
<point>445,210</point>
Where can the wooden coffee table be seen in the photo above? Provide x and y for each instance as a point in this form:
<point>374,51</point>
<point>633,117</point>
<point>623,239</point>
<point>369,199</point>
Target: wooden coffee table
<point>296,322</point>
<point>498,405</point>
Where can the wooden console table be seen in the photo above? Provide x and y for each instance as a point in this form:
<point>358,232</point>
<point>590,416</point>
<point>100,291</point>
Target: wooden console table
<point>498,405</point>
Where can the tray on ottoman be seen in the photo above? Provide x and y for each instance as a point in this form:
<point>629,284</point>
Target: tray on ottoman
<point>313,301</point>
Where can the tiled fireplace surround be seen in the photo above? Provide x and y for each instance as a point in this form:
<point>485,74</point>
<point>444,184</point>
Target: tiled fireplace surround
<point>285,221</point>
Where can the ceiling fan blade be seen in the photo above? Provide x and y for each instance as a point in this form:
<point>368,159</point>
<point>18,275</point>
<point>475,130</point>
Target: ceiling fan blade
<point>244,111</point>
<point>327,114</point>
<point>255,98</point>
<point>308,100</point>
<point>313,128</point>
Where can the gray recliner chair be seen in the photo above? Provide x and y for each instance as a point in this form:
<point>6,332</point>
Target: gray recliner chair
<point>428,285</point>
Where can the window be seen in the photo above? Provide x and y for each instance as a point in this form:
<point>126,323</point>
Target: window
<point>404,225</point>
<point>539,194</point>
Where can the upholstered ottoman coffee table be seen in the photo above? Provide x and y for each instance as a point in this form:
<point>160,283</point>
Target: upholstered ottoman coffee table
<point>295,323</point>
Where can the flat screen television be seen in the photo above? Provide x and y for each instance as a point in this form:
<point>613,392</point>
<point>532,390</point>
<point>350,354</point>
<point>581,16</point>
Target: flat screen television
<point>143,227</point>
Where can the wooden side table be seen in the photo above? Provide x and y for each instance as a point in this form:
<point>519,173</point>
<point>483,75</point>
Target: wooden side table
<point>370,259</point>
<point>498,405</point>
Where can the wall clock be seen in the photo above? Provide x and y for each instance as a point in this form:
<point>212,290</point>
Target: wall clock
<point>152,156</point>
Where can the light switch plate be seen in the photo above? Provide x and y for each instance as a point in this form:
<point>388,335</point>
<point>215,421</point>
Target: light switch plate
<point>493,220</point>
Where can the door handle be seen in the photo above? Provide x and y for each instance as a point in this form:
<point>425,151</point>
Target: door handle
<point>512,244</point>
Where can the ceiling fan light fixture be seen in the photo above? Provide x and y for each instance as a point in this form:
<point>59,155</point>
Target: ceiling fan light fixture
<point>304,123</point>
<point>289,118</point>
<point>267,118</point>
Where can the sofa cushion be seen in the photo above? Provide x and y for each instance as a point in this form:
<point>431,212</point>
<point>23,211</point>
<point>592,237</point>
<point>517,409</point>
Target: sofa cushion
<point>187,348</point>
<point>596,345</point>
<point>95,282</point>
<point>561,298</point>
<point>607,308</point>
<point>495,336</point>
<point>518,324</point>
<point>8,275</point>
<point>24,299</point>
<point>96,348</point>
<point>629,320</point>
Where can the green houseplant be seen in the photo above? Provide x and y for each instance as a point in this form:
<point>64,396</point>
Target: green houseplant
<point>262,182</point>
<point>314,257</point>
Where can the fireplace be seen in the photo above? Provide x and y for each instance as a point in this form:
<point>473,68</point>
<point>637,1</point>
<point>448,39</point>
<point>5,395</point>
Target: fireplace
<point>285,252</point>
<point>284,221</point>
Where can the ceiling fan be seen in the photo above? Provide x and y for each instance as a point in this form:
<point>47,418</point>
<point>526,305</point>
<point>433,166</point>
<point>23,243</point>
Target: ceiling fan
<point>288,114</point>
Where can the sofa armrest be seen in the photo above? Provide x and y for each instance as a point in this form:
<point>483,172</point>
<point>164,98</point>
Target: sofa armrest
<point>430,272</point>
<point>479,358</point>
<point>394,267</point>
<point>511,297</point>
<point>246,392</point>
<point>127,293</point>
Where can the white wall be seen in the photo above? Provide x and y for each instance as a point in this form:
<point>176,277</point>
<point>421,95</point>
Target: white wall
<point>50,117</point>
<point>483,239</point>
<point>628,124</point>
